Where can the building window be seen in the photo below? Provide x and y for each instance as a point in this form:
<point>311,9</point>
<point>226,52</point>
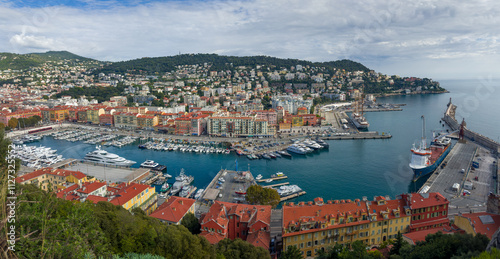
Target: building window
<point>309,244</point>
<point>308,253</point>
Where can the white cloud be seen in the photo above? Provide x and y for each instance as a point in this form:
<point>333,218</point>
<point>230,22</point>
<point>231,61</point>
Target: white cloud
<point>380,34</point>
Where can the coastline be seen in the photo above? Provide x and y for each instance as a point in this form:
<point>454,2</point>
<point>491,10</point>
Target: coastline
<point>412,93</point>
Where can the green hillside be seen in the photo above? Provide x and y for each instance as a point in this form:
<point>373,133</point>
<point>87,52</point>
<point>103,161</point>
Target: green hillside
<point>166,64</point>
<point>26,61</point>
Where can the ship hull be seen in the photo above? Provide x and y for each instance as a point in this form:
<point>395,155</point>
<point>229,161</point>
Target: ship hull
<point>358,124</point>
<point>417,173</point>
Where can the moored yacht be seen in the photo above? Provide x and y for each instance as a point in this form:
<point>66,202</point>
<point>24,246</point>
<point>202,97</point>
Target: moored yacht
<point>149,164</point>
<point>100,156</point>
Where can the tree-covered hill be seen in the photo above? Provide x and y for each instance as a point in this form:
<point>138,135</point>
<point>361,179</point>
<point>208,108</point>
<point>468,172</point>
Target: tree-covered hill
<point>166,64</point>
<point>26,61</point>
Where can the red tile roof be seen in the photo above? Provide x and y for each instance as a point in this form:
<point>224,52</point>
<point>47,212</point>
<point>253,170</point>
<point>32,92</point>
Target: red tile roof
<point>418,200</point>
<point>419,236</point>
<point>260,238</point>
<point>125,192</point>
<point>95,199</point>
<point>64,192</point>
<point>212,237</point>
<point>49,170</point>
<point>90,187</point>
<point>483,222</point>
<point>173,209</point>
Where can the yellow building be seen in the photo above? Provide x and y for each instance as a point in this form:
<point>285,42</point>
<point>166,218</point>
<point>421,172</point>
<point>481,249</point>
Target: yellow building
<point>125,120</point>
<point>297,121</point>
<point>147,121</point>
<point>50,179</point>
<point>134,195</point>
<point>94,113</point>
<point>312,227</point>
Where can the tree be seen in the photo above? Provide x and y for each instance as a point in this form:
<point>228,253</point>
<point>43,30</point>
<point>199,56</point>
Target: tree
<point>191,223</point>
<point>493,254</point>
<point>236,249</point>
<point>398,244</point>
<point>292,252</point>
<point>45,97</point>
<point>256,194</point>
<point>13,123</point>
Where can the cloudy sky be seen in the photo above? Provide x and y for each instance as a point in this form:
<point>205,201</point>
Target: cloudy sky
<point>437,39</point>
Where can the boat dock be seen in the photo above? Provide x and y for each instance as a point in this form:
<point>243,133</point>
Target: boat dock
<point>234,181</point>
<point>442,180</point>
<point>152,179</point>
<point>111,174</point>
<point>468,170</point>
<point>292,196</point>
<point>360,135</point>
<point>275,185</point>
<point>273,178</point>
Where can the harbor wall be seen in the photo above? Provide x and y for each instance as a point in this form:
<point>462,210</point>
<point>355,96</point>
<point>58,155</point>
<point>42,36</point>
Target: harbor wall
<point>449,118</point>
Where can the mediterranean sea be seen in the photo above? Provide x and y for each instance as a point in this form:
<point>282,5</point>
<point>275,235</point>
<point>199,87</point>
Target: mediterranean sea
<point>350,169</point>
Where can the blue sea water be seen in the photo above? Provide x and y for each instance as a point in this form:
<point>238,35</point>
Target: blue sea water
<point>350,169</point>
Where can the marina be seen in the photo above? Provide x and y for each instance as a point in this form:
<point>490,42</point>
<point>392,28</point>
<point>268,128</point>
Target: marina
<point>381,163</point>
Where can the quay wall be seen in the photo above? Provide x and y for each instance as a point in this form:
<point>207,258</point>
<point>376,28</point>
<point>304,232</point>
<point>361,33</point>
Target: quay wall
<point>449,118</point>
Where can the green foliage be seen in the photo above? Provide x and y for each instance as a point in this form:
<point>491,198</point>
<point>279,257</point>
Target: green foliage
<point>441,245</point>
<point>54,228</point>
<point>191,223</point>
<point>26,61</point>
<point>167,64</point>
<point>291,253</point>
<point>13,122</point>
<point>257,194</point>
<point>398,244</point>
<point>29,122</point>
<point>493,254</point>
<point>346,64</point>
<point>239,249</point>
<point>266,102</point>
<point>357,250</point>
<point>101,94</point>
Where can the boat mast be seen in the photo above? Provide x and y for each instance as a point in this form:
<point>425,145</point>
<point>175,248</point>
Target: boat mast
<point>424,141</point>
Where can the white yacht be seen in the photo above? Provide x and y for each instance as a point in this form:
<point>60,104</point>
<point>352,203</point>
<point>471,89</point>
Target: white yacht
<point>294,148</point>
<point>149,164</point>
<point>286,190</point>
<point>181,181</point>
<point>100,156</point>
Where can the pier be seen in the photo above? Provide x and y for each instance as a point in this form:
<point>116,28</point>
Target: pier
<point>234,181</point>
<point>442,180</point>
<point>273,178</point>
<point>295,195</point>
<point>275,185</point>
<point>469,173</point>
<point>360,135</point>
<point>451,121</point>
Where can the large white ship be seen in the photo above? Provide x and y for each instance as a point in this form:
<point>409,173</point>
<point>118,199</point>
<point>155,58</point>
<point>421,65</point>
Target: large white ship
<point>359,121</point>
<point>100,156</point>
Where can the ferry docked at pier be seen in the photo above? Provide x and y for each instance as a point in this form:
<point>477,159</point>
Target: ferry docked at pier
<point>424,160</point>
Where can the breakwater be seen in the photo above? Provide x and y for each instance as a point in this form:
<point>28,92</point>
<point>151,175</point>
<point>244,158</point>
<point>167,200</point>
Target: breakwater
<point>449,118</point>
